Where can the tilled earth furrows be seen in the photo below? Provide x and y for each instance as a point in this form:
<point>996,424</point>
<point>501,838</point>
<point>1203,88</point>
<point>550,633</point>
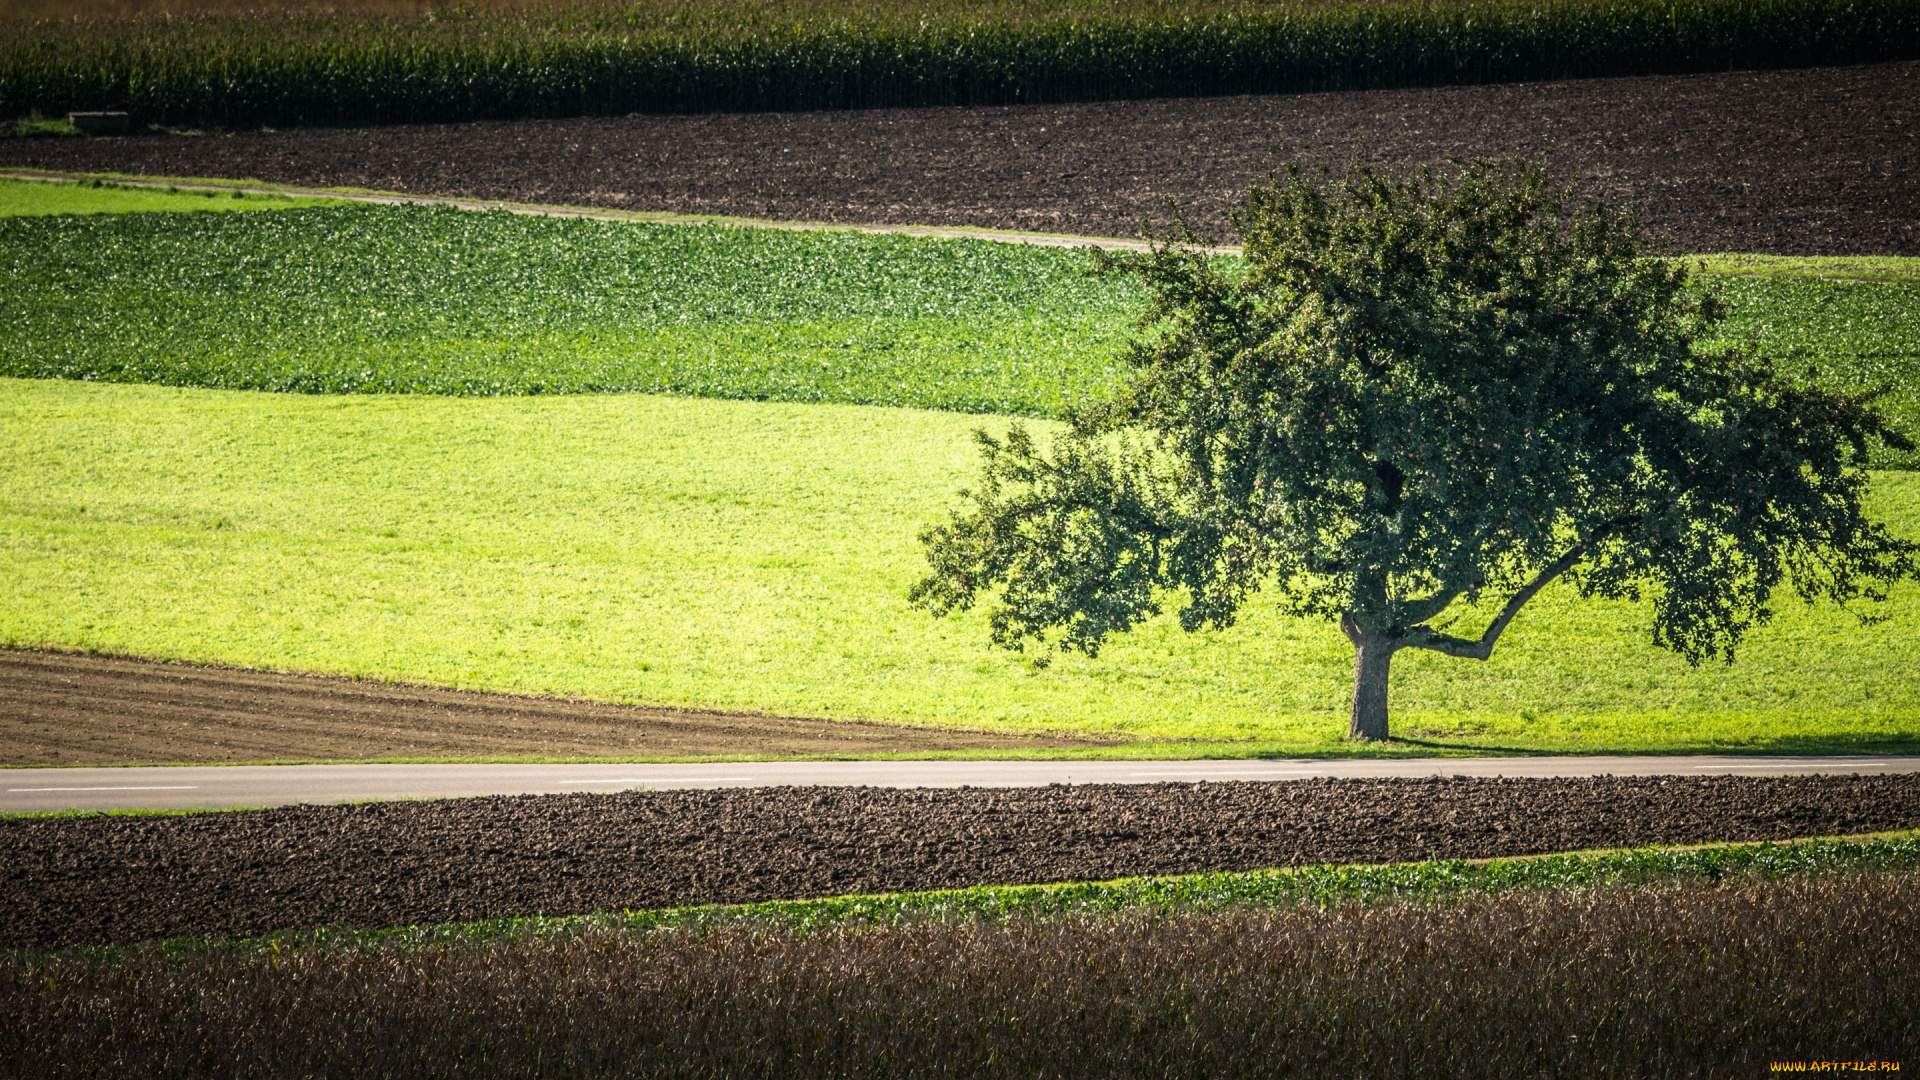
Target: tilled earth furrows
<point>117,879</point>
<point>72,709</point>
<point>1820,161</point>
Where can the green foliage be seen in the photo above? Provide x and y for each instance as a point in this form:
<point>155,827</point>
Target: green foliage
<point>1829,267</point>
<point>1856,336</point>
<point>1417,393</point>
<point>756,556</point>
<point>39,198</point>
<point>465,64</point>
<point>712,311</point>
<point>36,126</point>
<point>430,300</point>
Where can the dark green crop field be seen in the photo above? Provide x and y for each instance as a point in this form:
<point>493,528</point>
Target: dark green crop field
<point>459,63</point>
<point>416,300</point>
<point>363,299</point>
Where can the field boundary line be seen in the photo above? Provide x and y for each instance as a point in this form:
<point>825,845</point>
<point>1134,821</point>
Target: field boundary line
<point>1709,264</point>
<point>654,217</point>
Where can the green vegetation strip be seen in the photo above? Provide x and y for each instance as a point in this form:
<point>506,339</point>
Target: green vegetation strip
<point>356,299</point>
<point>1439,880</point>
<point>40,198</point>
<point>757,556</point>
<point>434,300</point>
<point>456,63</point>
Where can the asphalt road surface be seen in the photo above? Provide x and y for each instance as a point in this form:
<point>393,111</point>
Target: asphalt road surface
<point>190,787</point>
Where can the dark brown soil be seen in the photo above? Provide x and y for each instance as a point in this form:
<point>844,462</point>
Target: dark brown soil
<point>66,709</point>
<point>1820,161</point>
<point>117,879</point>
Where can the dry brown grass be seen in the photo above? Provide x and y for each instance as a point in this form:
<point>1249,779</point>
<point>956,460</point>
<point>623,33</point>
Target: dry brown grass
<point>1677,980</point>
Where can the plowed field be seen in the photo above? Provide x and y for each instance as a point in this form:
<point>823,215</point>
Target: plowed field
<point>1822,161</point>
<point>66,709</point>
<point>115,879</point>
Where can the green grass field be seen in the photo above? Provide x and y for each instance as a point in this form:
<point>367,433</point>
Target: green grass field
<point>756,556</point>
<point>419,300</point>
<point>42,198</point>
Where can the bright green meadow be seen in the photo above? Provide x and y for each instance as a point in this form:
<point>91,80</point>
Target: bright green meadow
<point>40,198</point>
<point>751,555</point>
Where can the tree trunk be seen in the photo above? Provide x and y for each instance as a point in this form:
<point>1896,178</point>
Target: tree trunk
<point>1372,654</point>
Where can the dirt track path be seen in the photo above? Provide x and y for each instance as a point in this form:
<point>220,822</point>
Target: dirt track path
<point>1821,161</point>
<point>66,709</point>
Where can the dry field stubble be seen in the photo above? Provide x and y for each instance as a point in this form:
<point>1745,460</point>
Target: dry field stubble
<point>1679,980</point>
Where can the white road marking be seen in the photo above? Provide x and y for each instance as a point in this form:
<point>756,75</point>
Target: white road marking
<point>167,787</point>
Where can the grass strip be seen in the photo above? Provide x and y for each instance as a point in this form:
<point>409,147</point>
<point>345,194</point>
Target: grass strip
<point>45,198</point>
<point>460,63</point>
<point>432,300</point>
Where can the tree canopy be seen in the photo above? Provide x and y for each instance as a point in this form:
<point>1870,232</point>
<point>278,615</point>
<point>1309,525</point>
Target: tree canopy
<point>1420,400</point>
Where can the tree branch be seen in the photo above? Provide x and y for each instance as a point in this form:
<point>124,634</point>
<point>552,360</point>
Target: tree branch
<point>1422,638</point>
<point>1419,611</point>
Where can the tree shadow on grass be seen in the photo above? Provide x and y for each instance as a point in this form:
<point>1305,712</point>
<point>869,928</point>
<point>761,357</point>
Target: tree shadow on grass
<point>1833,744</point>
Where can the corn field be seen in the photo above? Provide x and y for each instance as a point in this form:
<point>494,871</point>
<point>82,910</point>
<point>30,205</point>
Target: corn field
<point>327,68</point>
<point>1673,980</point>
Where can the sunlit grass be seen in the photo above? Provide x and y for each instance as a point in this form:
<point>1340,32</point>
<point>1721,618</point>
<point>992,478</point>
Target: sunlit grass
<point>41,198</point>
<point>743,555</point>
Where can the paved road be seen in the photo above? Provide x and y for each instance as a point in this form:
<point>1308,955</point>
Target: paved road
<point>183,787</point>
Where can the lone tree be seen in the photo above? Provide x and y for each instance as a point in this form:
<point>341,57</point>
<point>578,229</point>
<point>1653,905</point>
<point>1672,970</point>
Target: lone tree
<point>1417,396</point>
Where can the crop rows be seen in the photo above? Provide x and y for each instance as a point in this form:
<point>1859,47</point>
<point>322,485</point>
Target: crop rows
<point>1683,979</point>
<point>417,300</point>
<point>465,64</point>
<point>437,301</point>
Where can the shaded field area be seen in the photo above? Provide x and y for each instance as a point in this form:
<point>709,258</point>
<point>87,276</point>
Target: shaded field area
<point>1694,979</point>
<point>106,879</point>
<point>1820,161</point>
<point>491,61</point>
<point>65,709</point>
